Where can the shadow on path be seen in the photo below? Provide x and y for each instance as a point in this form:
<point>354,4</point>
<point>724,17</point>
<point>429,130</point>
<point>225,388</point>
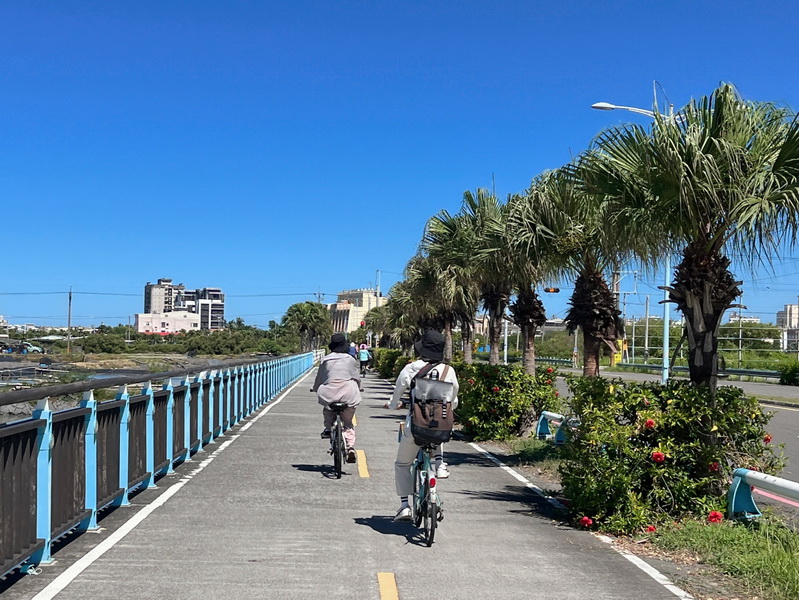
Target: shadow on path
<point>533,505</point>
<point>386,526</point>
<point>327,471</point>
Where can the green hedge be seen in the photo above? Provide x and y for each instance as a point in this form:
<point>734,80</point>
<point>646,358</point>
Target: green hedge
<point>499,401</point>
<point>646,453</point>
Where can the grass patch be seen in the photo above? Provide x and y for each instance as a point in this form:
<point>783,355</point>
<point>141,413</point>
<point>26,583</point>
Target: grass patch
<point>763,554</point>
<point>536,453</point>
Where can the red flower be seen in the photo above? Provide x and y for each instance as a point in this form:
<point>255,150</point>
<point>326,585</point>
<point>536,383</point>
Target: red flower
<point>715,517</point>
<point>649,424</point>
<point>549,369</point>
<point>471,381</point>
<point>495,389</point>
<point>549,382</point>
<point>651,529</point>
<point>658,457</point>
<point>714,466</point>
<point>767,439</point>
<point>557,394</point>
<point>646,402</point>
<point>586,521</point>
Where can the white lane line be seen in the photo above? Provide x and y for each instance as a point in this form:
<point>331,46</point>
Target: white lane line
<point>553,501</point>
<point>645,567</point>
<point>69,575</point>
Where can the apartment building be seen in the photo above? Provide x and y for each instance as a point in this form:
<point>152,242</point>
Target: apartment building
<point>170,308</point>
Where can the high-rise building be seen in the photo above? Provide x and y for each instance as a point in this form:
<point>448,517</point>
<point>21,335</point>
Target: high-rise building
<point>160,297</point>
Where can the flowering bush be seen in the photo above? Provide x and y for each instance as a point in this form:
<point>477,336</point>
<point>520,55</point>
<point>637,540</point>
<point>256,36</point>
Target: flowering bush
<point>586,521</point>
<point>626,475</point>
<point>500,401</point>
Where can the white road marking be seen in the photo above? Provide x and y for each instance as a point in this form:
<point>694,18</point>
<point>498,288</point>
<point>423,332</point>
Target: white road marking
<point>645,567</point>
<point>69,575</point>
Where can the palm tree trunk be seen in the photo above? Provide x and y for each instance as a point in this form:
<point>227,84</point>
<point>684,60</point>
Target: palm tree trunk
<point>528,335</point>
<point>494,335</point>
<point>592,347</point>
<point>447,340</point>
<point>467,337</point>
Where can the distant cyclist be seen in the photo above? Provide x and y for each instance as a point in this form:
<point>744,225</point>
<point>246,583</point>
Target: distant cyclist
<point>338,380</point>
<point>363,358</point>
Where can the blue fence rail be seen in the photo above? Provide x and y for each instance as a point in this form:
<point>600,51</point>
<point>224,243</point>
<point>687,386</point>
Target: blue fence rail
<point>739,372</point>
<point>59,470</point>
<point>740,503</point>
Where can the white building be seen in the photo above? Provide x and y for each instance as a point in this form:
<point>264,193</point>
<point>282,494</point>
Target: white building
<point>351,307</point>
<point>168,322</point>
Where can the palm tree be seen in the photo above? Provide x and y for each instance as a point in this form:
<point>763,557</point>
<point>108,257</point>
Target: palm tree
<point>377,322</point>
<point>721,178</point>
<point>311,321</point>
<point>447,242</point>
<point>584,246</point>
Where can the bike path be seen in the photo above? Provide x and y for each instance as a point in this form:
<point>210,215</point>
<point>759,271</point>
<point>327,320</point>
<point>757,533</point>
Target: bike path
<point>258,515</point>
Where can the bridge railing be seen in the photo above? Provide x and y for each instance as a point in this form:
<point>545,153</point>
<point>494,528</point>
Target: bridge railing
<point>59,470</point>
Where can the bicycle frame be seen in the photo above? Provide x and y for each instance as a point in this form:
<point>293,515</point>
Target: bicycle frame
<point>426,502</point>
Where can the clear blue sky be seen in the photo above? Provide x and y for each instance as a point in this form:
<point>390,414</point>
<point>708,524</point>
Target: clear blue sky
<point>295,147</point>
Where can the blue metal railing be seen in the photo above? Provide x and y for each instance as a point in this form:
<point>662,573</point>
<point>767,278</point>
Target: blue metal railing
<point>740,503</point>
<point>58,470</point>
<point>740,372</point>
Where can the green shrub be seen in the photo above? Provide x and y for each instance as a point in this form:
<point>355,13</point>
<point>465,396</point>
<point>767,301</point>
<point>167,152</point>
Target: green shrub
<point>789,374</point>
<point>499,401</point>
<point>645,453</point>
<point>385,360</point>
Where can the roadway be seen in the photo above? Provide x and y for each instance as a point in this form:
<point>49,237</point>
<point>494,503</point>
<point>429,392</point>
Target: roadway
<point>258,515</point>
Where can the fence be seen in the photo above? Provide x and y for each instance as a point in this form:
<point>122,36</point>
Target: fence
<point>563,425</point>
<point>59,470</point>
<point>740,372</point>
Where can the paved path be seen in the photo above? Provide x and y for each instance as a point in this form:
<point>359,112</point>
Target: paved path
<point>259,516</point>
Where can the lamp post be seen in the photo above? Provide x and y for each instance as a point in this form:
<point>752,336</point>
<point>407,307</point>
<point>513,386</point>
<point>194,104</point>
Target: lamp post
<point>664,377</point>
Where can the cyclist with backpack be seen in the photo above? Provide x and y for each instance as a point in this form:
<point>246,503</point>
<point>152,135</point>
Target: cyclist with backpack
<point>429,367</point>
<point>338,380</point>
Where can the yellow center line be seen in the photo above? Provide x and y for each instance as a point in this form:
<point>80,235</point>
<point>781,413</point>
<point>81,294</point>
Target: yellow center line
<point>388,586</point>
<point>363,470</point>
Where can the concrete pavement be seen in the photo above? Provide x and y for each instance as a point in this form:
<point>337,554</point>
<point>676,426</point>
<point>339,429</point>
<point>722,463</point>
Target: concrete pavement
<point>259,516</point>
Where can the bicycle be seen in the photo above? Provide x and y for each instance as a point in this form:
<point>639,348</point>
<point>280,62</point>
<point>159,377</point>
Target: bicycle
<point>338,448</point>
<point>427,504</point>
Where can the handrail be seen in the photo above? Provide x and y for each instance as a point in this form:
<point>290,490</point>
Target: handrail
<point>741,505</point>
<point>564,424</point>
<point>37,393</point>
<point>741,372</point>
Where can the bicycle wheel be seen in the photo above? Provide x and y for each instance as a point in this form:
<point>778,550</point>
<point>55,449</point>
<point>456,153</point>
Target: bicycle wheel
<point>419,498</point>
<point>336,443</point>
<point>430,516</point>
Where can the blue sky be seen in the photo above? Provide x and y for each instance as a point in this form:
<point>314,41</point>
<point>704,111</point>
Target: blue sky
<point>280,149</point>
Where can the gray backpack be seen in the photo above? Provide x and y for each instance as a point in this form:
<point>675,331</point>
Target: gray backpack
<point>432,417</point>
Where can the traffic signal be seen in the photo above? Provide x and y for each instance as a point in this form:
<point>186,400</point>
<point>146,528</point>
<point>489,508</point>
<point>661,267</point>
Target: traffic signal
<point>551,290</point>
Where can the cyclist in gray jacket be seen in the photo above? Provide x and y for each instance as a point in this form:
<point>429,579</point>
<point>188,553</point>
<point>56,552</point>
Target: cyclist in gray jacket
<point>339,380</point>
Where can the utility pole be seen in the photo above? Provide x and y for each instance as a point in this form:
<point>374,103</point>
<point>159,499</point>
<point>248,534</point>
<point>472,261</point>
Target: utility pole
<point>69,322</point>
<point>633,339</point>
<point>740,329</point>
<point>646,332</point>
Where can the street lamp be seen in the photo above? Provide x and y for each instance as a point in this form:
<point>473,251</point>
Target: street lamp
<point>664,377</point>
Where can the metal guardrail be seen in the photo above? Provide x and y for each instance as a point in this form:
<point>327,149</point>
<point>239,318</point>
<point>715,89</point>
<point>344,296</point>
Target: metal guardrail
<point>740,372</point>
<point>59,470</point>
<point>741,504</point>
<point>562,423</point>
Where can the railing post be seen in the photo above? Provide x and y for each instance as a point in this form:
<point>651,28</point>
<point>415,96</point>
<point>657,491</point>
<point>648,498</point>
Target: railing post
<point>235,394</point>
<point>44,480</point>
<point>221,414</point>
<point>209,376</point>
<point>124,446</point>
<point>187,419</point>
<point>149,459</point>
<point>170,426</point>
<point>90,449</point>
<point>199,379</point>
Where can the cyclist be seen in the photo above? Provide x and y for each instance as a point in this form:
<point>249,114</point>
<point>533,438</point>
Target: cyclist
<point>430,349</point>
<point>338,380</point>
<point>363,357</point>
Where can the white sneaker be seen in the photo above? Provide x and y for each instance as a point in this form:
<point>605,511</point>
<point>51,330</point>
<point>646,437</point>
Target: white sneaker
<point>403,514</point>
<point>442,472</point>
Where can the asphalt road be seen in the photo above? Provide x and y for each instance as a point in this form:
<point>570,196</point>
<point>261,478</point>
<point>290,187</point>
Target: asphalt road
<point>258,515</point>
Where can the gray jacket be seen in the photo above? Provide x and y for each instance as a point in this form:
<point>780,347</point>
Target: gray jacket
<point>338,380</point>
